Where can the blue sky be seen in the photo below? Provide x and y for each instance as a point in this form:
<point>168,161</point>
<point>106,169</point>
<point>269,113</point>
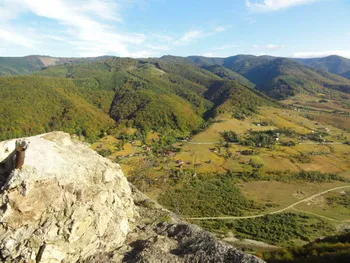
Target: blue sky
<point>152,28</point>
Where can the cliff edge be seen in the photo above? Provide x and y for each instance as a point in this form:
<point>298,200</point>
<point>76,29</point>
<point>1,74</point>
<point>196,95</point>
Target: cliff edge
<point>69,204</point>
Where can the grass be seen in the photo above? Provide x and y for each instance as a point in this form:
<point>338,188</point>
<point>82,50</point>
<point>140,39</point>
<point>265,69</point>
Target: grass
<point>283,229</point>
<point>208,195</point>
<point>333,205</point>
<point>283,194</point>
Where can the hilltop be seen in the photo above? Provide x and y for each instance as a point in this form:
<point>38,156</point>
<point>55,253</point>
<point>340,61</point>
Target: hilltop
<point>152,94</point>
<point>279,77</point>
<point>333,64</point>
<point>10,66</point>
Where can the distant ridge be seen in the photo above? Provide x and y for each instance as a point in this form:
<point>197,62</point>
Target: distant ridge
<point>333,64</point>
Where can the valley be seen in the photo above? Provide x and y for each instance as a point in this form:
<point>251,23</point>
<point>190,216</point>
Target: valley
<point>249,148</point>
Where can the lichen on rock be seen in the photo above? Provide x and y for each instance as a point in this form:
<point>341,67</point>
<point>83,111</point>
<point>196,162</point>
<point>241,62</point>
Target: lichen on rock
<point>69,204</point>
<point>66,203</point>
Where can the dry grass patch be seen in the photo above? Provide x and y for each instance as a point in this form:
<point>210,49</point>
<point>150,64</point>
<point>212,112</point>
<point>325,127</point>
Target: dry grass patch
<point>334,205</point>
<point>282,194</point>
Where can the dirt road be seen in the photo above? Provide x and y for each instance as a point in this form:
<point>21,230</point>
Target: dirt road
<point>280,210</point>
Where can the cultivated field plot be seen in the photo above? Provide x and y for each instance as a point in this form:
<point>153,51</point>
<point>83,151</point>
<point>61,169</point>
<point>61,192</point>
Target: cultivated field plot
<point>285,194</point>
<point>253,180</point>
<point>333,205</point>
<point>332,156</point>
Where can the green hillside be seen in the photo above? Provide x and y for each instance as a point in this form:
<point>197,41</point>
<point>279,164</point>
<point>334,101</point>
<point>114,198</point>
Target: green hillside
<point>19,65</point>
<point>277,77</point>
<point>281,78</point>
<point>166,94</point>
<point>33,105</point>
<point>239,63</point>
<point>234,98</point>
<point>227,74</point>
<point>13,66</point>
<point>333,64</point>
<point>163,95</point>
<point>328,250</point>
<point>148,94</point>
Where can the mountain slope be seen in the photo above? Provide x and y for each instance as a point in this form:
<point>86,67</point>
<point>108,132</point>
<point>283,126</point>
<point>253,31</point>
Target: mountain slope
<point>239,63</point>
<point>333,64</point>
<point>164,94</point>
<point>19,65</point>
<point>278,77</point>
<point>12,66</point>
<point>152,110</point>
<point>227,74</point>
<point>234,98</point>
<point>149,94</point>
<point>32,105</point>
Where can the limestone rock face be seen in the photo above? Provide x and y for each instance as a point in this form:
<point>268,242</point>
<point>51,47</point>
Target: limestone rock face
<point>67,203</point>
<point>184,243</point>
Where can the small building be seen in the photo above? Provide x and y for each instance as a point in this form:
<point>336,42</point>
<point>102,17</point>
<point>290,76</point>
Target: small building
<point>180,162</point>
<point>170,153</point>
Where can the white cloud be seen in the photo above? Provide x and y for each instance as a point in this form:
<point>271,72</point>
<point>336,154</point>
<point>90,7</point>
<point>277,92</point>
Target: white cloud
<point>197,34</point>
<point>158,47</point>
<point>90,25</point>
<point>274,5</point>
<point>162,37</point>
<point>105,9</point>
<point>221,28</point>
<point>208,54</point>
<point>269,47</point>
<point>190,35</point>
<point>13,37</point>
<point>84,28</point>
<point>320,54</point>
<point>212,55</point>
<point>224,47</point>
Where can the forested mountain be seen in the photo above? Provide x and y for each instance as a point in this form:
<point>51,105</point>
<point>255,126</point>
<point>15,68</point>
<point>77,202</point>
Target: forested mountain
<point>278,77</point>
<point>19,65</point>
<point>333,64</point>
<point>232,97</point>
<point>169,93</point>
<point>149,94</point>
<point>11,66</point>
<point>225,73</point>
<point>281,78</point>
<point>32,105</point>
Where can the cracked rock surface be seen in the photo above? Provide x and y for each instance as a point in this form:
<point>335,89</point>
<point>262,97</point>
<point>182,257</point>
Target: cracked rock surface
<point>69,204</point>
<point>66,203</point>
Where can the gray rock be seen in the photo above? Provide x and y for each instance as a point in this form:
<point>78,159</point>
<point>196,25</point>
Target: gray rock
<point>69,204</point>
<point>185,243</point>
<point>66,203</point>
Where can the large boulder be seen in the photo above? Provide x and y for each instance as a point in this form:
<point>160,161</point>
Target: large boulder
<point>67,203</point>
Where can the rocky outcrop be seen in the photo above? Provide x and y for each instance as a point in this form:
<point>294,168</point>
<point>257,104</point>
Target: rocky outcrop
<point>160,236</point>
<point>66,203</point>
<point>69,204</point>
<point>184,243</point>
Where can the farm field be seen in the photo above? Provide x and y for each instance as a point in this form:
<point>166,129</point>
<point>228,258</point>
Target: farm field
<point>266,179</point>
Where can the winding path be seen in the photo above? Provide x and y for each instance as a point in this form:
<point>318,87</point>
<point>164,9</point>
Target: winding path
<point>236,143</point>
<point>279,211</point>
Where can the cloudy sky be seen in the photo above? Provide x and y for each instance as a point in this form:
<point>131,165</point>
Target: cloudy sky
<point>152,28</point>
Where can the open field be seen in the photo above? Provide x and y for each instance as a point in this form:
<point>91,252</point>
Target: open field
<point>283,194</point>
<point>172,176</point>
<point>332,205</point>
